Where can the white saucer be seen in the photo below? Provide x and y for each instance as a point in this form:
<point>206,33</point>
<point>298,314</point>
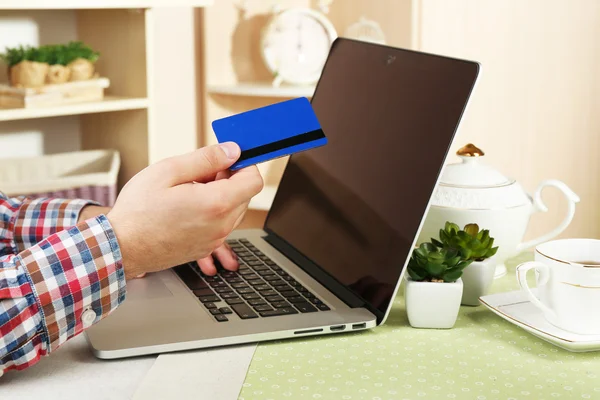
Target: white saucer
<point>516,308</point>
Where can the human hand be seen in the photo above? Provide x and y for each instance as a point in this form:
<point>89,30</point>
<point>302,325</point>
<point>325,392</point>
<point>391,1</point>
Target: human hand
<point>223,254</point>
<point>163,219</point>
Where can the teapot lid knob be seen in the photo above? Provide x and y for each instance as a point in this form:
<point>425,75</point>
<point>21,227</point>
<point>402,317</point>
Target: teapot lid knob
<point>470,150</point>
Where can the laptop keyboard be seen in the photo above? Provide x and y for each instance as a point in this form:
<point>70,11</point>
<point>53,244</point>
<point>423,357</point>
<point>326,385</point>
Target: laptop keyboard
<point>259,288</point>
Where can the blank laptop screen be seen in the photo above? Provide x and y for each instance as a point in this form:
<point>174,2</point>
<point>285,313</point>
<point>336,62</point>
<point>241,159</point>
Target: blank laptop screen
<point>354,206</point>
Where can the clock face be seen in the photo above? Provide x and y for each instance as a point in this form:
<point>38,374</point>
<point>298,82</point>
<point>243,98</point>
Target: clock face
<point>296,45</point>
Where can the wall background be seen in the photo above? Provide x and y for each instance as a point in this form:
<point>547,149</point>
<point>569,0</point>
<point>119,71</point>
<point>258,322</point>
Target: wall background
<point>534,111</point>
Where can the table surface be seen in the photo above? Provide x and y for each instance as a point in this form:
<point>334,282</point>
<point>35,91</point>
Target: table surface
<point>73,373</point>
<point>482,357</point>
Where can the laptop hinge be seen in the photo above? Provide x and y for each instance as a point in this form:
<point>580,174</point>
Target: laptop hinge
<point>328,281</point>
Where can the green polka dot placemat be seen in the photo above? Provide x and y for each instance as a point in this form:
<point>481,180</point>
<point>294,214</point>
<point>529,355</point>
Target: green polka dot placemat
<point>483,357</point>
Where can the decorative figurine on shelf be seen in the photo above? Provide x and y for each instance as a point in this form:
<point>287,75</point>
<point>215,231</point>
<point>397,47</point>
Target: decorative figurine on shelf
<point>476,246</point>
<point>295,44</point>
<point>434,286</point>
<point>30,67</point>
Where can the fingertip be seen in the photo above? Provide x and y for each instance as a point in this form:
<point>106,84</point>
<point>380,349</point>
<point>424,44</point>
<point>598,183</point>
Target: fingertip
<point>231,265</point>
<point>223,175</point>
<point>210,270</point>
<point>231,149</point>
<point>229,260</point>
<point>207,266</point>
<point>251,178</point>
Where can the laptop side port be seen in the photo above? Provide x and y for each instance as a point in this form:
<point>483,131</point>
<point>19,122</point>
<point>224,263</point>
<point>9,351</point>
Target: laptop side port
<point>337,328</point>
<point>359,326</point>
<point>308,331</point>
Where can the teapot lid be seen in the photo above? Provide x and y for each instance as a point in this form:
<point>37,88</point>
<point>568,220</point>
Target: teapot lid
<point>471,172</point>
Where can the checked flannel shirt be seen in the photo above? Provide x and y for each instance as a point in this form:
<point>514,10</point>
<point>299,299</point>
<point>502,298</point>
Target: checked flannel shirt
<point>57,277</point>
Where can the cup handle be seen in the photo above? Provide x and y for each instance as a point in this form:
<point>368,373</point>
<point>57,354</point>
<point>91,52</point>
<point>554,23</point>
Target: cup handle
<point>539,205</point>
<point>544,274</point>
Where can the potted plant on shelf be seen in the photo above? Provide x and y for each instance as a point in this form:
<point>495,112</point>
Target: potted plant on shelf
<point>27,66</point>
<point>58,58</point>
<point>434,288</point>
<point>80,60</point>
<point>476,246</point>
<point>35,66</point>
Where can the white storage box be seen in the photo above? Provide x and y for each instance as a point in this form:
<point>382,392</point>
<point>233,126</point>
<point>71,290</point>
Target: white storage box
<point>88,175</point>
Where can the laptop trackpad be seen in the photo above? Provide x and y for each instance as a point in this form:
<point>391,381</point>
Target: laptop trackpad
<point>149,287</point>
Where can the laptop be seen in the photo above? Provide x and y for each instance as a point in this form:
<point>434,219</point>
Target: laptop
<point>331,255</point>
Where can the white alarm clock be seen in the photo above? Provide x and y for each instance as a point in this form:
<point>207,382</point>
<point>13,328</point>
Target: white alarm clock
<point>295,44</point>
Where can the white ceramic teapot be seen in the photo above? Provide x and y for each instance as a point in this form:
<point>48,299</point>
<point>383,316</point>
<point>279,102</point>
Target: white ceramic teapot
<point>472,192</point>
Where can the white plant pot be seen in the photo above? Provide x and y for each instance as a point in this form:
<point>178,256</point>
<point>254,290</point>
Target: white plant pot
<point>477,279</point>
<point>432,304</point>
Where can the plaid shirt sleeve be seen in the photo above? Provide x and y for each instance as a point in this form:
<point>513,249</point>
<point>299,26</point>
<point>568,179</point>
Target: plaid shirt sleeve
<point>31,220</point>
<point>56,278</point>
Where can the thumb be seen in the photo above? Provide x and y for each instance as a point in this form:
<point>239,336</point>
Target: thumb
<point>202,164</point>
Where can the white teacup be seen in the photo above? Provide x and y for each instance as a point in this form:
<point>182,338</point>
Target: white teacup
<point>568,283</point>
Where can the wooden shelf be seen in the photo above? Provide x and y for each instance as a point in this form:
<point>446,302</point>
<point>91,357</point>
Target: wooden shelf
<point>264,199</point>
<point>109,103</point>
<point>94,4</point>
<point>262,90</point>
<point>135,39</point>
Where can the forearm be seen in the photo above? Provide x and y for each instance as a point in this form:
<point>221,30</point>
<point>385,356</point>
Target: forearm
<point>92,211</point>
<point>57,288</point>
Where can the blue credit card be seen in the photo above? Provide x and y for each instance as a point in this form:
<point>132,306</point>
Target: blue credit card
<point>270,132</point>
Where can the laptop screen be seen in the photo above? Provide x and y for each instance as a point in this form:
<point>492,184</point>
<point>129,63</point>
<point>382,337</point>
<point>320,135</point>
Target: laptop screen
<point>354,206</point>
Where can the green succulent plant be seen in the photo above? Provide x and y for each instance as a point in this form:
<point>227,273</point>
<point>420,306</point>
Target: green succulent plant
<point>15,55</point>
<point>52,54</point>
<point>434,264</point>
<point>58,54</point>
<point>75,50</point>
<point>470,242</point>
